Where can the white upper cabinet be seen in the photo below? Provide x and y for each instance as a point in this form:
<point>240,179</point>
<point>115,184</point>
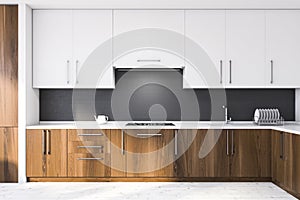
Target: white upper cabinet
<point>52,49</point>
<point>204,49</point>
<point>64,41</point>
<point>283,47</point>
<point>92,40</point>
<point>134,45</point>
<point>245,48</point>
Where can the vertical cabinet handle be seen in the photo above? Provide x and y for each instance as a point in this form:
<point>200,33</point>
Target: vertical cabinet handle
<point>44,142</point>
<point>232,143</point>
<point>68,72</point>
<point>227,141</point>
<point>122,142</point>
<point>272,72</point>
<point>221,71</point>
<point>282,146</point>
<point>48,142</point>
<point>77,64</point>
<point>176,143</point>
<point>230,73</point>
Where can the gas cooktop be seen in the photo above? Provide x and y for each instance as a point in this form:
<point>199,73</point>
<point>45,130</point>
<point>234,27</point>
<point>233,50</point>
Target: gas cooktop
<point>150,124</point>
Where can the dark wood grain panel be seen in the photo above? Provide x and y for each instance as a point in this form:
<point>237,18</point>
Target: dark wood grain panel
<point>214,164</point>
<point>8,154</point>
<point>251,153</point>
<point>296,164</point>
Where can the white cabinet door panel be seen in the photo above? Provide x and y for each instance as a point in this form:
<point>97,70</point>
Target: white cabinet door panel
<point>283,47</point>
<point>138,54</point>
<point>206,28</point>
<point>92,28</point>
<point>52,48</point>
<point>245,48</point>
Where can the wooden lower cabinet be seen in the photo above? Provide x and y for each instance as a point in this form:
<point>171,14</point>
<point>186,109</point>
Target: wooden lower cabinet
<point>250,153</point>
<point>88,153</point>
<point>118,156</point>
<point>202,153</point>
<point>149,153</point>
<point>224,153</point>
<point>46,153</point>
<point>8,154</point>
<point>286,161</point>
<point>296,164</point>
<point>282,159</point>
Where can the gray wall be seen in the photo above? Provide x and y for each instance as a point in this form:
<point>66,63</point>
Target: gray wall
<point>159,96</point>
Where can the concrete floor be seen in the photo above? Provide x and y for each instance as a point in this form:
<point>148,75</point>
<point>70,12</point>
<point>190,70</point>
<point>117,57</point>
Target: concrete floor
<point>142,190</point>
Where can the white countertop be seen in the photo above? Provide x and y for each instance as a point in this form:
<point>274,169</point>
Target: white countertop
<point>291,127</point>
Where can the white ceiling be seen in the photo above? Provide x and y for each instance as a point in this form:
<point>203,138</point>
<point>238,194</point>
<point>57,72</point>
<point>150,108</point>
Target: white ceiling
<point>152,4</point>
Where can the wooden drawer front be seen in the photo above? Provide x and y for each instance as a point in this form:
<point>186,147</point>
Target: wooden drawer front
<point>146,141</point>
<point>89,141</point>
<point>89,153</point>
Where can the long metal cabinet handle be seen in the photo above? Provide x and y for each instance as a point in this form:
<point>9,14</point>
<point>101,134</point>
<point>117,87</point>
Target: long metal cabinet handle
<point>44,142</point>
<point>227,141</point>
<point>98,134</point>
<point>122,142</point>
<point>68,72</point>
<point>96,147</point>
<point>148,60</point>
<point>89,158</point>
<point>272,72</point>
<point>232,143</point>
<point>176,143</point>
<point>77,63</point>
<point>230,73</point>
<point>48,142</point>
<point>149,134</point>
<point>281,145</point>
<point>221,71</point>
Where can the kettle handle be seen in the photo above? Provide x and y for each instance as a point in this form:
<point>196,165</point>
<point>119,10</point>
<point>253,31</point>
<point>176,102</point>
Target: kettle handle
<point>95,117</point>
<point>106,118</point>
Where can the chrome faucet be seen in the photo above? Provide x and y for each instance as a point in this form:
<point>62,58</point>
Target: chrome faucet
<point>226,115</point>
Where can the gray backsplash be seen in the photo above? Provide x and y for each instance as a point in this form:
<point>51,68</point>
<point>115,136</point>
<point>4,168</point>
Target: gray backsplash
<point>158,95</point>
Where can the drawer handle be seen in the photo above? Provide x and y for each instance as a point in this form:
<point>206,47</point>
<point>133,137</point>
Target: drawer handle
<point>96,147</point>
<point>149,134</point>
<point>98,134</point>
<point>149,60</point>
<point>90,159</point>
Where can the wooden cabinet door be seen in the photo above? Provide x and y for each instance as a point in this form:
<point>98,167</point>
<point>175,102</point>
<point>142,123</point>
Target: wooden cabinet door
<point>296,164</point>
<point>206,156</point>
<point>250,153</point>
<point>282,159</point>
<point>46,152</point>
<point>282,47</point>
<point>9,155</point>
<point>245,48</point>
<point>52,49</point>
<point>35,153</point>
<point>150,153</point>
<point>8,66</point>
<point>88,153</point>
<point>207,29</point>
<point>118,156</point>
